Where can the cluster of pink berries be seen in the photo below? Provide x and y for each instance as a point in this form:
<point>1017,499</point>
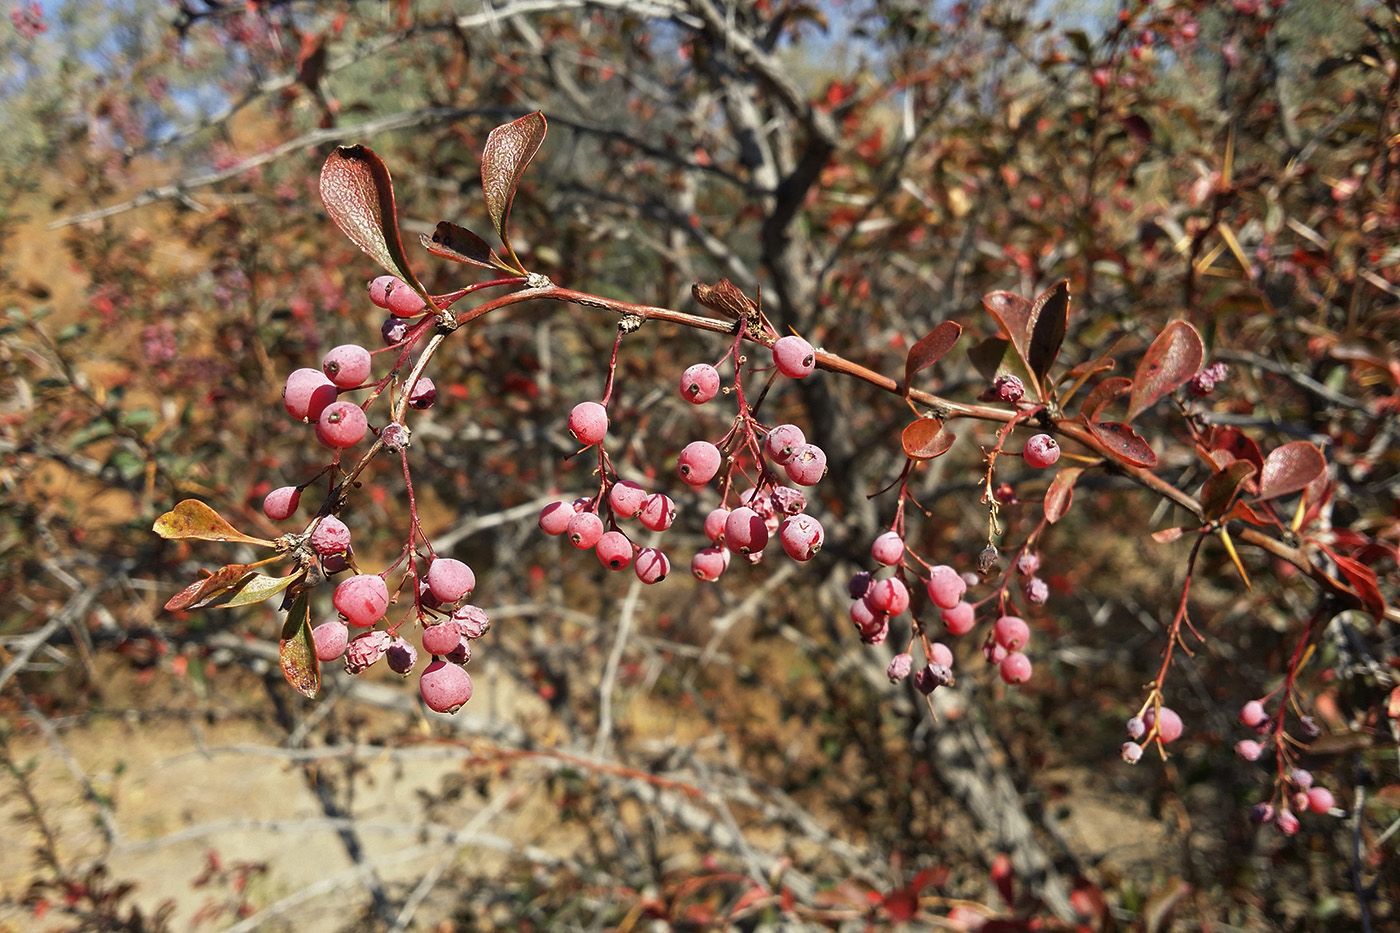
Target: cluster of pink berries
<point>1294,789</point>
<point>1161,723</point>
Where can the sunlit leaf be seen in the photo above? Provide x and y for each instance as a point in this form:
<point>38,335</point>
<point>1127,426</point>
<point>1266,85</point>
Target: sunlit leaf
<point>1363,581</point>
<point>1049,319</point>
<point>1174,357</point>
<point>925,439</point>
<point>1123,442</point>
<point>1013,313</point>
<point>254,588</point>
<point>461,245</point>
<point>507,152</point>
<point>193,519</point>
<point>930,348</point>
<point>1220,490</point>
<point>1289,468</point>
<point>1168,535</point>
<point>297,651</point>
<point>1061,493</point>
<point>359,196</point>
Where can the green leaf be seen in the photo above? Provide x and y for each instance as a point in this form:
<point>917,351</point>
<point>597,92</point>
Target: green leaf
<point>297,651</point>
<point>507,152</point>
<point>359,196</point>
<point>193,519</point>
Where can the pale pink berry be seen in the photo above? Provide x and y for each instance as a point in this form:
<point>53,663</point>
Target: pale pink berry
<point>1131,752</point>
<point>279,504</point>
<point>1301,778</point>
<point>651,565</point>
<point>588,422</point>
<point>714,525</point>
<point>782,442</point>
<point>945,586</point>
<point>1041,451</point>
<point>450,580</point>
<point>801,536</point>
<point>1252,713</point>
<point>445,687</point>
<point>584,530</point>
<point>1287,823</point>
<point>346,365</point>
<point>361,599</point>
<point>1248,749</point>
<point>708,563</point>
<point>554,518</point>
<point>876,634</point>
<point>940,653</point>
<point>865,615</point>
<point>1028,563</point>
<point>1037,591</point>
<point>330,639</point>
<point>307,394</point>
<point>1011,632</point>
<point>959,619</point>
<point>900,666</point>
<point>889,596</point>
<point>626,498</point>
<point>794,357</point>
<point>472,621</point>
<point>403,301</point>
<point>1015,668</point>
<point>658,512</point>
<point>395,436</point>
<point>807,466</point>
<point>1168,723</point>
<point>888,549</point>
<point>614,550</point>
<point>330,537</point>
<point>1136,727</point>
<point>401,656</point>
<point>379,289</point>
<point>441,638</point>
<point>423,394</point>
<point>342,425</point>
<point>745,531</point>
<point>699,462</point>
<point>364,650</point>
<point>699,383</point>
<point>1320,800</point>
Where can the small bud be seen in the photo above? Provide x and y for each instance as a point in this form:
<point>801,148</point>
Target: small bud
<point>1131,752</point>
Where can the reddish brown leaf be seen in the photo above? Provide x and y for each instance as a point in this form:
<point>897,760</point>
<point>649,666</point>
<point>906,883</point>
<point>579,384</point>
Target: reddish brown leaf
<point>193,519</point>
<point>1103,394</point>
<point>1123,442</point>
<point>1174,357</point>
<point>930,348</point>
<point>1013,313</point>
<point>1049,319</point>
<point>1290,468</point>
<point>461,245</point>
<point>1363,581</point>
<point>1241,512</point>
<point>202,590</point>
<point>926,438</point>
<point>297,651</point>
<point>1061,493</point>
<point>1220,490</point>
<point>254,588</point>
<point>507,152</point>
<point>359,196</point>
<point>1239,445</point>
<point>726,298</point>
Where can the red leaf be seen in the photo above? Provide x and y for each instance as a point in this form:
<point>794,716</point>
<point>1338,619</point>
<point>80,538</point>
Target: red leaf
<point>507,152</point>
<point>1013,313</point>
<point>1061,493</point>
<point>297,651</point>
<point>1168,535</point>
<point>359,196</point>
<point>1238,444</point>
<point>1289,468</point>
<point>461,245</point>
<point>901,905</point>
<point>1363,580</point>
<point>193,519</point>
<point>1004,878</point>
<point>1049,319</point>
<point>1123,442</point>
<point>1174,357</point>
<point>1220,490</point>
<point>221,579</point>
<point>1103,394</point>
<point>925,439</point>
<point>930,348</point>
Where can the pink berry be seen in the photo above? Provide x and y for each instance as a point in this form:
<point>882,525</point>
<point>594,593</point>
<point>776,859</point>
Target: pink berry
<point>699,462</point>
<point>658,512</point>
<point>1287,823</point>
<point>330,639</point>
<point>614,550</point>
<point>699,383</point>
<point>807,466</point>
<point>1011,633</point>
<point>1008,388</point>
<point>472,621</point>
<point>554,518</point>
<point>708,563</point>
<point>1252,713</point>
<point>1301,778</point>
<point>442,638</point>
<point>402,301</point>
<point>347,365</point>
<point>588,422</point>
<point>889,596</point>
<point>865,616</point>
<point>959,619</point>
<point>1131,752</point>
<point>1136,728</point>
<point>900,666</point>
<point>651,565</point>
<point>1037,591</point>
<point>401,656</point>
<point>714,525</point>
<point>1041,451</point>
<point>782,442</point>
<point>423,394</point>
<point>281,503</point>
<point>445,687</point>
<point>876,634</point>
<point>801,536</point>
<point>1015,668</point>
<point>1320,800</point>
<point>745,531</point>
<point>307,394</point>
<point>1248,749</point>
<point>888,549</point>
<point>342,425</point>
<point>945,586</point>
<point>584,530</point>
<point>330,537</point>
<point>366,649</point>
<point>450,580</point>
<point>361,599</point>
<point>1028,563</point>
<point>1169,726</point>
<point>794,357</point>
<point>626,498</point>
<point>940,654</point>
<point>379,289</point>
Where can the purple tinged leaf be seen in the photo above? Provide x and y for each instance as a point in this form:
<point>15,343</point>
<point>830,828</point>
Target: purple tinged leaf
<point>1049,320</point>
<point>1174,357</point>
<point>1222,487</point>
<point>359,196</point>
<point>297,651</point>
<point>1289,468</point>
<point>461,245</point>
<point>507,152</point>
<point>930,348</point>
